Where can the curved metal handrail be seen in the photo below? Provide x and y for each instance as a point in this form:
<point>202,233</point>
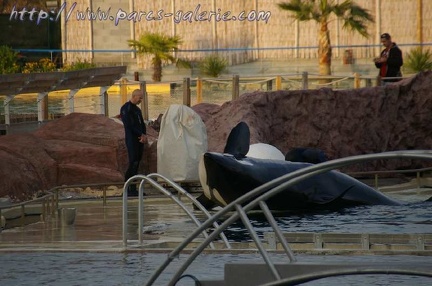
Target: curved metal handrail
<point>264,192</point>
<point>156,185</point>
<point>141,207</point>
<point>194,201</point>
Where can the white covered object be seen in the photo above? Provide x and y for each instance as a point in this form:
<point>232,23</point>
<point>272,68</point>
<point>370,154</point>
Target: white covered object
<point>182,140</point>
<point>265,151</point>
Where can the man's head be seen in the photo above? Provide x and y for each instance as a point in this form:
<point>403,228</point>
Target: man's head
<point>386,40</point>
<point>137,96</point>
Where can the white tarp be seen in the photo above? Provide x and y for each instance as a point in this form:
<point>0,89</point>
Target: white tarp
<point>182,140</point>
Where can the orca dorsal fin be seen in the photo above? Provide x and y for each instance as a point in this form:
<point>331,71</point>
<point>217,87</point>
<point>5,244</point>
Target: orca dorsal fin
<point>238,141</point>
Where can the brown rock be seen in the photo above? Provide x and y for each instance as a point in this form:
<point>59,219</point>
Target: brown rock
<point>341,123</point>
<point>76,149</point>
<point>25,166</point>
<point>206,110</point>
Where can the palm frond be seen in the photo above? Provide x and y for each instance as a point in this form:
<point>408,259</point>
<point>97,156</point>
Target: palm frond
<point>419,60</point>
<point>160,47</point>
<point>353,16</point>
<point>302,10</point>
<point>213,66</point>
<point>180,63</point>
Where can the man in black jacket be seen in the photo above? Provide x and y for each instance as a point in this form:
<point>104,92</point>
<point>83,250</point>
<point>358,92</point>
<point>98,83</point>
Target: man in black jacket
<point>390,60</point>
<point>135,135</point>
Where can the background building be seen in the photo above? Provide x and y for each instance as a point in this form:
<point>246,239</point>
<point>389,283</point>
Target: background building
<point>97,30</point>
<point>281,38</point>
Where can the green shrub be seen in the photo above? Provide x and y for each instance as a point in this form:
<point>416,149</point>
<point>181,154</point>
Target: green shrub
<point>79,65</point>
<point>213,66</point>
<point>43,65</point>
<point>418,60</point>
<point>8,60</point>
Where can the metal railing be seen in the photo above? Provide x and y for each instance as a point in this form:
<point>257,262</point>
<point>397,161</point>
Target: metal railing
<point>49,202</point>
<point>150,179</point>
<point>258,196</point>
<point>376,174</point>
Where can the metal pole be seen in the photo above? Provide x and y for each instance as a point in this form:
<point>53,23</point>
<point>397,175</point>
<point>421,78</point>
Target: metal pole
<point>71,99</point>
<point>104,100</point>
<point>356,80</point>
<point>199,90</point>
<point>144,102</point>
<point>123,90</point>
<point>186,92</point>
<point>7,109</point>
<point>42,104</point>
<point>278,82</point>
<point>236,87</point>
<point>305,84</point>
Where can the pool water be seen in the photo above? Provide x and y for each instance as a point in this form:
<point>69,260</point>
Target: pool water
<point>135,268</point>
<point>411,218</point>
<point>73,267</point>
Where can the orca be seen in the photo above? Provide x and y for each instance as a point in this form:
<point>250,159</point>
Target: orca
<point>265,151</point>
<point>307,155</point>
<point>227,176</point>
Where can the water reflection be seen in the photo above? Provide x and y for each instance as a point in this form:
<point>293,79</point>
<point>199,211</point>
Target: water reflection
<point>87,101</point>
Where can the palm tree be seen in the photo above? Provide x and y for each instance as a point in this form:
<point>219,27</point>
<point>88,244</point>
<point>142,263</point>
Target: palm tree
<point>354,18</point>
<point>160,46</point>
<point>213,66</point>
<point>418,60</point>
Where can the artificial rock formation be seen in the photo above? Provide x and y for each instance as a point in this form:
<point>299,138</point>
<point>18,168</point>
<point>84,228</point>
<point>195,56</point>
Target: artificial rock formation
<point>340,122</point>
<point>86,148</point>
<point>76,149</point>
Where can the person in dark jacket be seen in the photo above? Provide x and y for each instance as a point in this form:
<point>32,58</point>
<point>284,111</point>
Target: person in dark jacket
<point>135,135</point>
<point>390,60</point>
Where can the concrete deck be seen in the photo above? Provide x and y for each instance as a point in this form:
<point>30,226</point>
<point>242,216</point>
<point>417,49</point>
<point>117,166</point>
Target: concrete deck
<point>97,227</point>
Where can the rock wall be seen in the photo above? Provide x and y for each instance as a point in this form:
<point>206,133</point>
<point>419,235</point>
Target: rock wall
<point>76,149</point>
<point>86,148</point>
<point>340,122</point>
